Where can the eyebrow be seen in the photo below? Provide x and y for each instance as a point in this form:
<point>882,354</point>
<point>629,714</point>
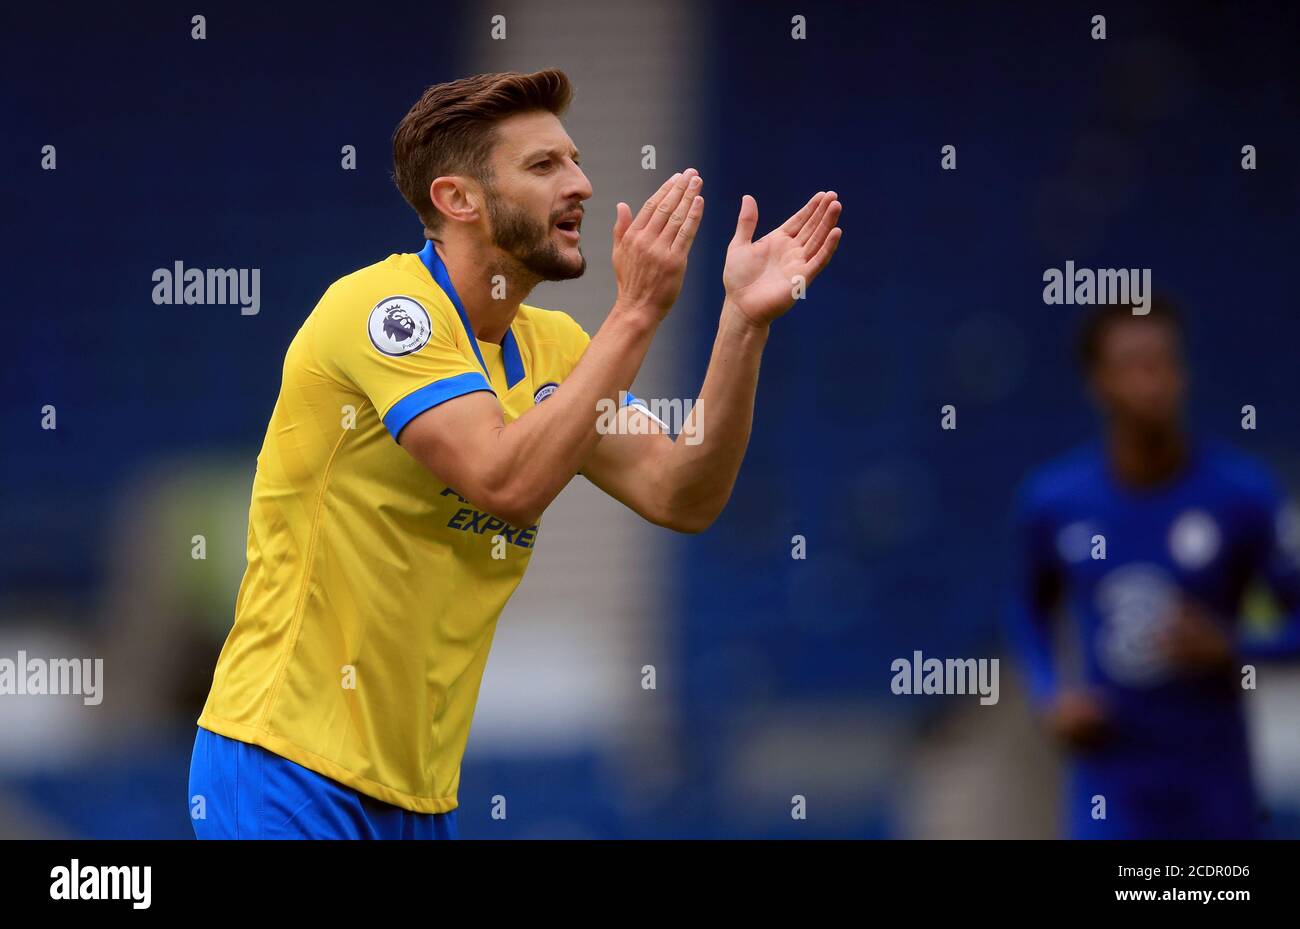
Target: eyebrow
<point>538,153</point>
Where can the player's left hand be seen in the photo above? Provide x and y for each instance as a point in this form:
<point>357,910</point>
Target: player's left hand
<point>1195,642</point>
<point>761,278</point>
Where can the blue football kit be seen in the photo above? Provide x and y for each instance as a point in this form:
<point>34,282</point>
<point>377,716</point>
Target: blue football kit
<point>1120,561</point>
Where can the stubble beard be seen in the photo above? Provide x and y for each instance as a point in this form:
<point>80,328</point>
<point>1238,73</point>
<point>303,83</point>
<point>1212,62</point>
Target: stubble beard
<point>529,243</point>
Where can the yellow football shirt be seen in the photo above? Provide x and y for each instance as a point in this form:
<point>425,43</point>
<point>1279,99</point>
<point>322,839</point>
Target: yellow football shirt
<point>363,623</point>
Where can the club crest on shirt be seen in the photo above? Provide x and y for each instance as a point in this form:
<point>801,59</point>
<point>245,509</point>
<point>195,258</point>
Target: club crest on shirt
<point>544,391</point>
<point>399,326</point>
<point>1194,539</point>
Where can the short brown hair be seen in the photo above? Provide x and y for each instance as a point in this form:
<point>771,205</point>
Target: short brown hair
<point>452,129</point>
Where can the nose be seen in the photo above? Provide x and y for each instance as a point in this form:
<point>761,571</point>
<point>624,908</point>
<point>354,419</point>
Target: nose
<point>578,187</point>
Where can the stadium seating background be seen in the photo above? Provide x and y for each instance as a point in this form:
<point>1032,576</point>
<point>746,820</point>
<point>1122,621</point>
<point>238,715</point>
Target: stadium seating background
<point>1118,153</point>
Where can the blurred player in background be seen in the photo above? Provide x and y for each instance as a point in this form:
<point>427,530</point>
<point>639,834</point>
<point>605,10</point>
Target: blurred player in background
<point>427,417</point>
<point>1148,540</point>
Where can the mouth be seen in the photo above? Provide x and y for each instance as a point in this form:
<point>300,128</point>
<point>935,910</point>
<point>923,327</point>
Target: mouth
<point>570,227</point>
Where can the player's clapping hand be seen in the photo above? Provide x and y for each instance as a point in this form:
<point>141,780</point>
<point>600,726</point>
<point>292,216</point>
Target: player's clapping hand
<point>650,250</point>
<point>761,277</point>
<point>1078,720</point>
<point>1195,642</point>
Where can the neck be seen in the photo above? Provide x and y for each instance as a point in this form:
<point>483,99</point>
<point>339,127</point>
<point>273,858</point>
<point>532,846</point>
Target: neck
<point>1142,455</point>
<point>490,284</point>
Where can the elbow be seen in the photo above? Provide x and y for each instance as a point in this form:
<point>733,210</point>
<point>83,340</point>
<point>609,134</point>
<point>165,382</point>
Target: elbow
<point>689,521</point>
<point>520,507</point>
<point>492,487</point>
<point>514,505</point>
<point>519,512</point>
<point>691,526</point>
<point>689,510</point>
<point>519,519</point>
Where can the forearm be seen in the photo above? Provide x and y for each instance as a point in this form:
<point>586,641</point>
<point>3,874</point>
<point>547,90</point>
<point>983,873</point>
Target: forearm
<point>540,452</point>
<point>1028,630</point>
<point>700,471</point>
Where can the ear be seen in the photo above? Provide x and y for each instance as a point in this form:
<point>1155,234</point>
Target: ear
<point>456,197</point>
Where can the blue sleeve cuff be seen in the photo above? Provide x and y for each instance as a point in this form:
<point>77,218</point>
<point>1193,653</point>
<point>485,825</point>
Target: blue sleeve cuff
<point>429,396</point>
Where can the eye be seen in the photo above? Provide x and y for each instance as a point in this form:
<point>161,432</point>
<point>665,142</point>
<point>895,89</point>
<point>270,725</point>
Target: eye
<point>545,163</point>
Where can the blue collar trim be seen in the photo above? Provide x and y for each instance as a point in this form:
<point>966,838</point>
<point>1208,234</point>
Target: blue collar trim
<point>513,361</point>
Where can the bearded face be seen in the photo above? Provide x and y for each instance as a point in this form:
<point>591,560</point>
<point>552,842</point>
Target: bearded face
<point>530,242</point>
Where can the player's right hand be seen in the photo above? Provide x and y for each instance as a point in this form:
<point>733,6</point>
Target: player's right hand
<point>1077,719</point>
<point>1194,642</point>
<point>650,250</point>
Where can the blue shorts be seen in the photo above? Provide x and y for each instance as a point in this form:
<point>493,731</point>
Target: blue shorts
<point>243,791</point>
